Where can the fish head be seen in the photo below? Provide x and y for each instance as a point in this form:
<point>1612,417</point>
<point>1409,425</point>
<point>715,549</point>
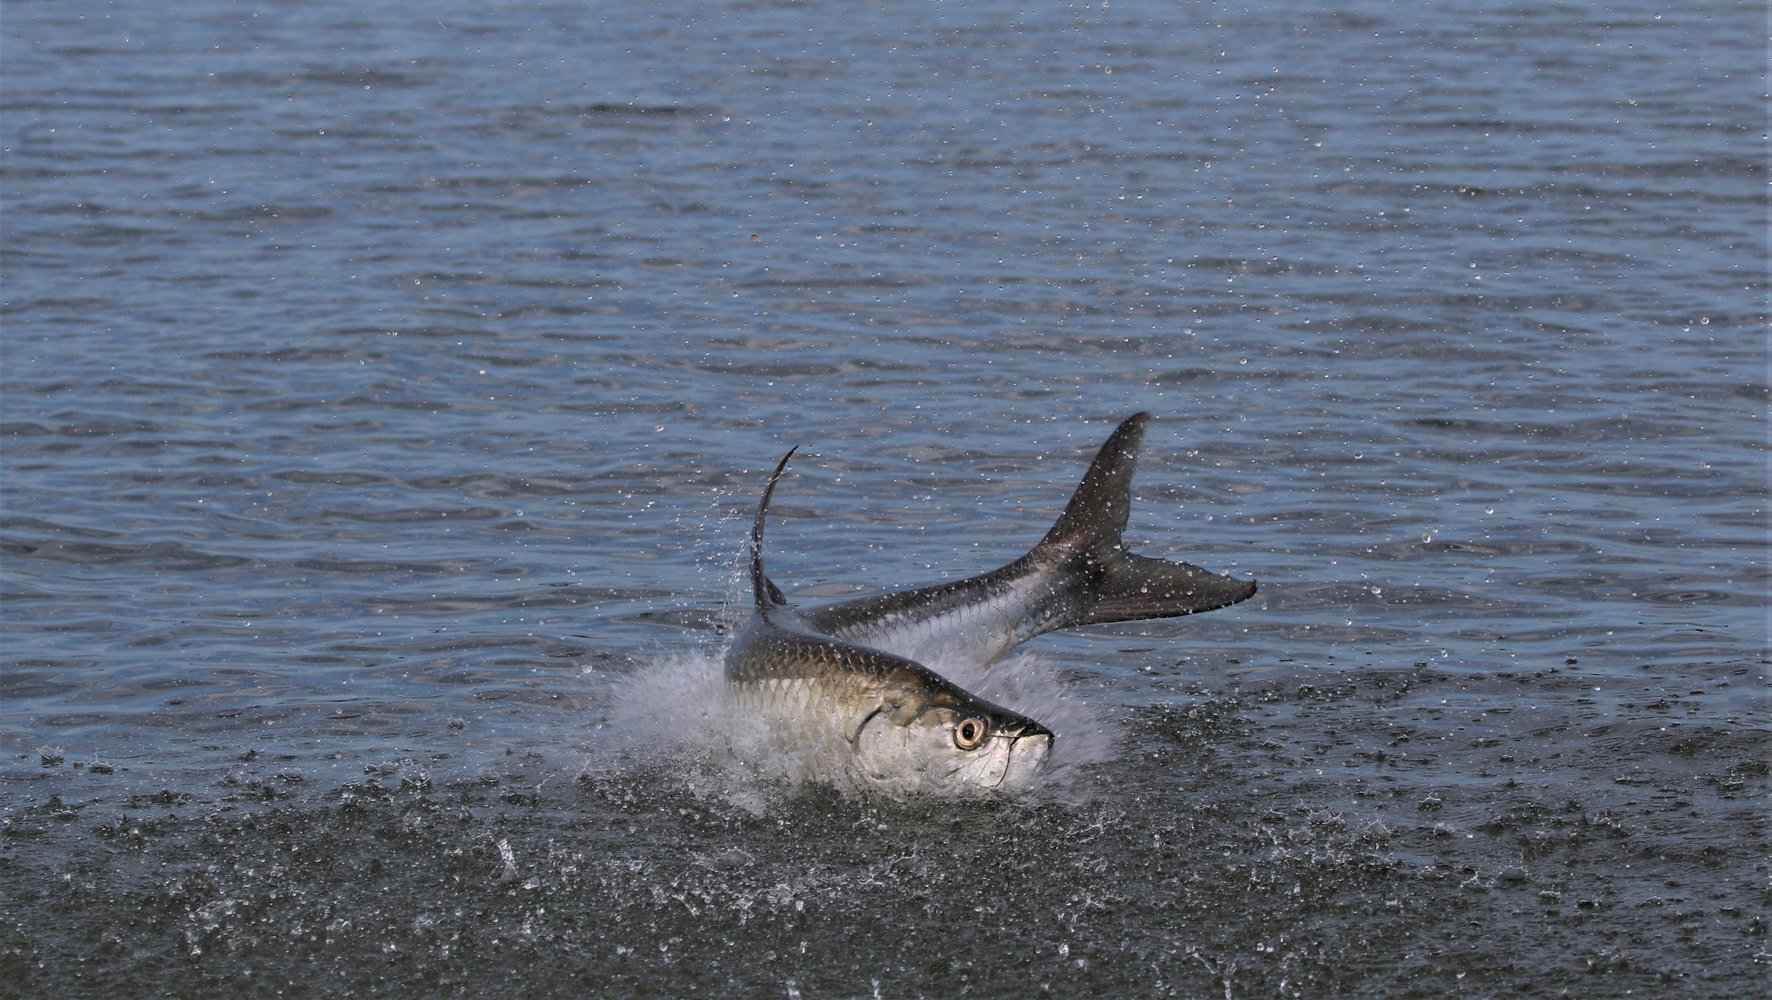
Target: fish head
<point>950,746</point>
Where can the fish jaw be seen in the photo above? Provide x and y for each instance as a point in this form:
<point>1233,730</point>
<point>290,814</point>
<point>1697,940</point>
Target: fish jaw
<point>1027,761</point>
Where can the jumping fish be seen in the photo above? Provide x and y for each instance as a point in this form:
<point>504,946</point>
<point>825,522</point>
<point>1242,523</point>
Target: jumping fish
<point>853,675</point>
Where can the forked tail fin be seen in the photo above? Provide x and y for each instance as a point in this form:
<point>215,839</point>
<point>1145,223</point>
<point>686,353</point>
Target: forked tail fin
<point>1131,587</point>
<point>763,591</point>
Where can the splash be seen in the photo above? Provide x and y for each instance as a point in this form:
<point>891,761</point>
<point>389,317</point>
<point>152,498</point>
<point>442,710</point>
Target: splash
<point>673,721</point>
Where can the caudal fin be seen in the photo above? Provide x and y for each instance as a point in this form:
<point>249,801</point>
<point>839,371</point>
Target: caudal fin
<point>1130,587</point>
<point>1138,587</point>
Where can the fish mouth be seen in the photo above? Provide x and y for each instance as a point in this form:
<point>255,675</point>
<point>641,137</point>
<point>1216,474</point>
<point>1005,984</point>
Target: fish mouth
<point>1028,755</point>
<point>1023,760</point>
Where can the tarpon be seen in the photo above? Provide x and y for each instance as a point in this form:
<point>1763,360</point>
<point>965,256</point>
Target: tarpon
<point>853,675</point>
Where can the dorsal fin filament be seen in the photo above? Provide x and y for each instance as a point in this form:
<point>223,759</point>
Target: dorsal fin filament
<point>764,593</point>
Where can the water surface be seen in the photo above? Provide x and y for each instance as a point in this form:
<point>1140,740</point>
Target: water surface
<point>383,395</point>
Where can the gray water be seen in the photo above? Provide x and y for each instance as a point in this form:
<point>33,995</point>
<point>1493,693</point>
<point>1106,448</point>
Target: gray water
<point>385,391</point>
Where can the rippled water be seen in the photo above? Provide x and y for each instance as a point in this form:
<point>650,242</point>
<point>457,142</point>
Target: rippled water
<point>383,393</point>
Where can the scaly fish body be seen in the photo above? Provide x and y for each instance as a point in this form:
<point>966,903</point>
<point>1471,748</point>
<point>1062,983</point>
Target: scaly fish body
<point>880,721</point>
<point>851,675</point>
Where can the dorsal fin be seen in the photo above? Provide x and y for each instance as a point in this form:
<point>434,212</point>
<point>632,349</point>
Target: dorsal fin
<point>763,592</point>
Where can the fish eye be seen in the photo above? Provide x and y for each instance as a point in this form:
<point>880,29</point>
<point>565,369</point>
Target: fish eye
<point>970,733</point>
